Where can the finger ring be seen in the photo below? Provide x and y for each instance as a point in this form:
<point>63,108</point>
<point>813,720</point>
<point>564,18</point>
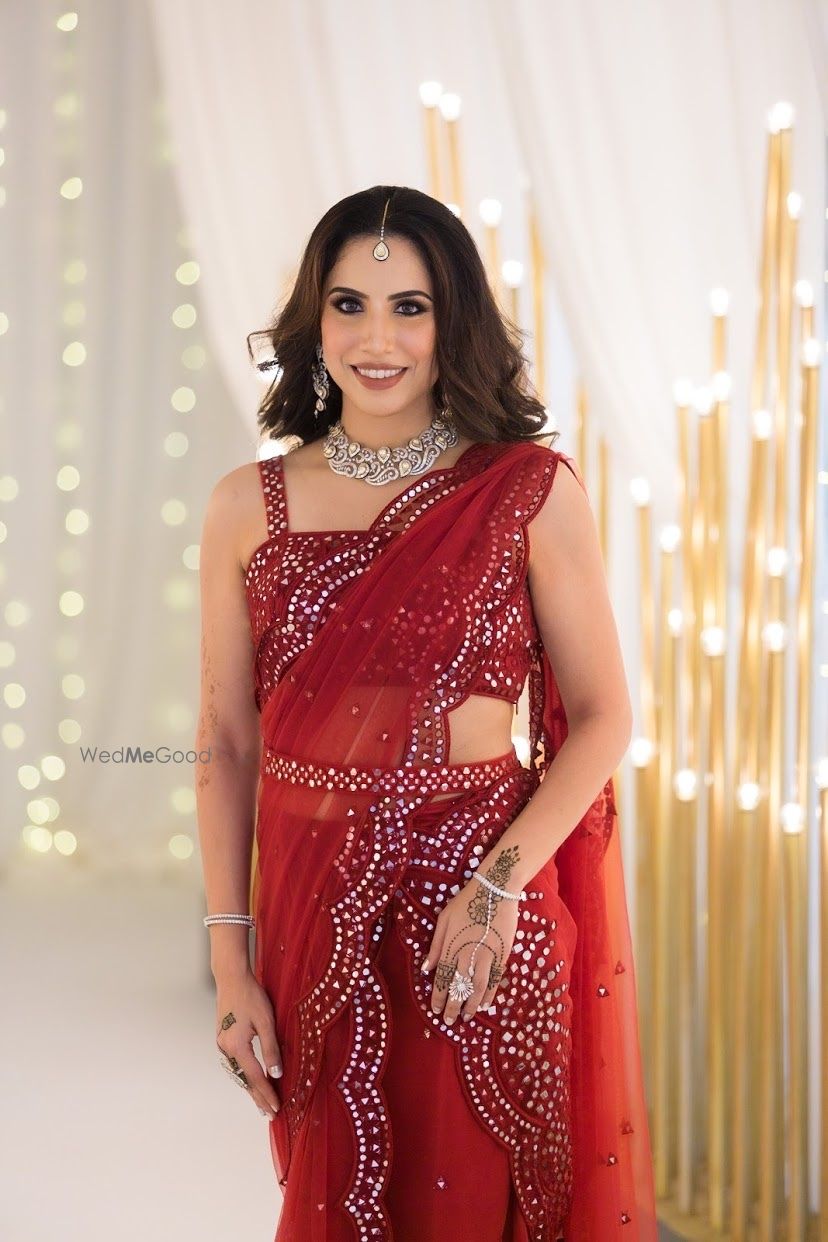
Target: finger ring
<point>461,987</point>
<point>231,1065</point>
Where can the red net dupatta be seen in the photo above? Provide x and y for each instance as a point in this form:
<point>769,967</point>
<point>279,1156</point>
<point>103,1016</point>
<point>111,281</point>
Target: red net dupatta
<point>398,641</point>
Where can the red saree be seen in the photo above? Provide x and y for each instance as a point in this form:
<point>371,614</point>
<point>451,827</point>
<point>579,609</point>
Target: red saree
<point>529,1121</point>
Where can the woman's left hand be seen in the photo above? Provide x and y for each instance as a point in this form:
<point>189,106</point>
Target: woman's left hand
<point>461,924</point>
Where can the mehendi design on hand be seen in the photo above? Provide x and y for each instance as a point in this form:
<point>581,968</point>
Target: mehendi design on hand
<point>444,973</point>
<point>503,866</point>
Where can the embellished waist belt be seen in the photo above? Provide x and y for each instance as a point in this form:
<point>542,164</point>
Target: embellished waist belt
<point>428,778</point>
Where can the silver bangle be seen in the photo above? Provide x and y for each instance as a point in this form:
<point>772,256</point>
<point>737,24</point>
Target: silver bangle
<point>229,918</point>
<point>501,892</point>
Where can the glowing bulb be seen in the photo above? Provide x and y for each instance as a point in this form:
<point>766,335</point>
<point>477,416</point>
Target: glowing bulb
<point>777,561</point>
<point>762,421</point>
<point>641,752</point>
<point>71,603</point>
<point>74,272</point>
<point>712,640</point>
<point>430,93</point>
<point>77,522</point>
<point>52,767</point>
<point>191,556</point>
<point>28,776</point>
<point>183,399</point>
<point>512,273</point>
<point>69,731</point>
<point>748,795</point>
<point>703,401</point>
<point>37,811</point>
<point>173,512</point>
<point>804,293</point>
<point>669,537</point>
<point>181,846</point>
<point>187,273</point>
<point>791,818</point>
<point>810,352</point>
<point>685,784</point>
<point>13,735</point>
<point>74,355</point>
<point>719,301</point>
<point>185,315</point>
<point>72,187</point>
<point>73,686</point>
<point>675,622</point>
<point>14,695</point>
<point>491,212</point>
<point>449,106</point>
<point>183,800</point>
<point>16,613</point>
<point>780,116</point>
<point>39,840</point>
<point>775,636</point>
<point>67,478</point>
<point>176,444</point>
<point>639,492</point>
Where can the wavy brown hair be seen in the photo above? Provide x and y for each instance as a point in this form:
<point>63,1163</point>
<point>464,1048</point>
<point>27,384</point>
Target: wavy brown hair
<point>483,373</point>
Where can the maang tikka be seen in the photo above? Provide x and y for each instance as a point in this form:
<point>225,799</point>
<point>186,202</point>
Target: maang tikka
<point>381,251</point>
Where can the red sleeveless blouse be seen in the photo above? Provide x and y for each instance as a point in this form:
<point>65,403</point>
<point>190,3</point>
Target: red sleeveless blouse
<point>284,619</point>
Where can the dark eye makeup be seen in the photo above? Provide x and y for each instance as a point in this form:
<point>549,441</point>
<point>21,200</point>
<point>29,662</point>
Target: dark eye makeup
<point>341,302</point>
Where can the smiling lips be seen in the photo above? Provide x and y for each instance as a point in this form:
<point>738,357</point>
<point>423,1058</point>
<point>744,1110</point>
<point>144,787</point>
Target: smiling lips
<point>379,372</point>
<point>379,377</point>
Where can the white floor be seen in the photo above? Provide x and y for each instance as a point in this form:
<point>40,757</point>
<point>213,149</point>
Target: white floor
<point>117,1120</point>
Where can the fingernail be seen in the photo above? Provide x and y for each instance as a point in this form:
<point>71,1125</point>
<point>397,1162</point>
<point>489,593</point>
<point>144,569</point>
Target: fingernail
<point>425,966</point>
<point>275,1071</point>
<point>465,1016</point>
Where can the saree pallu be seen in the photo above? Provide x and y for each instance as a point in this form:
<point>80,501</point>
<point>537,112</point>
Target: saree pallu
<point>529,1121</point>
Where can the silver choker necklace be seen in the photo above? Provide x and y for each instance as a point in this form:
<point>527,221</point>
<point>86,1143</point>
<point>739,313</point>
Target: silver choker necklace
<point>379,466</point>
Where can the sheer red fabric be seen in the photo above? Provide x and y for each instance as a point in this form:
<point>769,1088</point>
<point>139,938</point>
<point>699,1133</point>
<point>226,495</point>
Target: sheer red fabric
<point>529,1121</point>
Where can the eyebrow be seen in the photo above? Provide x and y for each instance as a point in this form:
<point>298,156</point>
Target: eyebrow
<point>406,293</point>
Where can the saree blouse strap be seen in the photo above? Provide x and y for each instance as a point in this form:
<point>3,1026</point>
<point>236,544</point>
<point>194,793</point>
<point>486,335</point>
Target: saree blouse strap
<point>270,475</point>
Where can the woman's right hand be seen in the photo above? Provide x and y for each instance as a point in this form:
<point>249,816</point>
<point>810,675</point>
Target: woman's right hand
<point>243,1010</point>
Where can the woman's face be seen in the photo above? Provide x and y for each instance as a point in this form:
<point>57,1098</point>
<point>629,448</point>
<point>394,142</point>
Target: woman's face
<point>367,323</point>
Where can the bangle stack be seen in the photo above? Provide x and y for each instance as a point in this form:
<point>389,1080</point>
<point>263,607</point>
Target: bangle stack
<point>229,918</point>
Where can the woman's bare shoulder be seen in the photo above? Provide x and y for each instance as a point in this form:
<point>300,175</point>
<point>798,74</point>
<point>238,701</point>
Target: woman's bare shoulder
<point>235,515</point>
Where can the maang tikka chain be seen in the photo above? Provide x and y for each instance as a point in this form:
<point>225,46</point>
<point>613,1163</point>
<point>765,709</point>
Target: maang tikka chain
<point>381,251</point>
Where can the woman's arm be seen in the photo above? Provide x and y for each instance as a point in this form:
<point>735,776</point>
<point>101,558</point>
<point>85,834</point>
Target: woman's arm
<point>228,725</point>
<point>577,627</point>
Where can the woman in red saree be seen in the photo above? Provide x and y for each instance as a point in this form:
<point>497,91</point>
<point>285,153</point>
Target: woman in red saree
<point>528,1120</point>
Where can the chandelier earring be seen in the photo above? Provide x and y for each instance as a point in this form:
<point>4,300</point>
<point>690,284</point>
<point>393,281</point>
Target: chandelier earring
<point>321,386</point>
